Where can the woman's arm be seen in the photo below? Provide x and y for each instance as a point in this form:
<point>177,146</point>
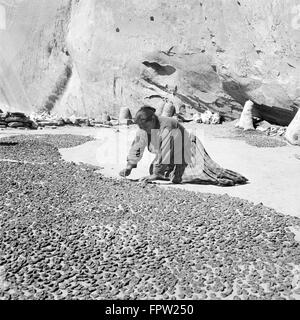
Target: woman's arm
<point>135,153</point>
<point>137,148</point>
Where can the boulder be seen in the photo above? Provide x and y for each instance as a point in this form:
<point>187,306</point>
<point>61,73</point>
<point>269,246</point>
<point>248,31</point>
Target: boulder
<point>47,123</point>
<point>197,117</point>
<point>105,117</point>
<point>34,125</point>
<point>17,119</point>
<point>292,134</point>
<point>16,124</point>
<point>216,118</point>
<point>124,113</point>
<point>206,117</point>
<point>246,119</point>
<point>169,109</point>
<point>74,120</point>
<point>67,121</point>
<point>263,126</point>
<point>87,123</point>
<point>18,114</point>
<point>3,116</point>
<point>125,116</point>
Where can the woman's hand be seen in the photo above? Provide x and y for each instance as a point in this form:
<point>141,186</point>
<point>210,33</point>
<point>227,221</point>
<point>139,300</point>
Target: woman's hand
<point>149,179</point>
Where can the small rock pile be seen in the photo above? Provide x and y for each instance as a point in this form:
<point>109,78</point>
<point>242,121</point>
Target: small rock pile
<point>256,138</point>
<point>53,121</point>
<point>263,134</point>
<point>269,129</point>
<point>69,233</point>
<point>45,120</point>
<point>248,122</point>
<point>207,117</point>
<point>16,120</point>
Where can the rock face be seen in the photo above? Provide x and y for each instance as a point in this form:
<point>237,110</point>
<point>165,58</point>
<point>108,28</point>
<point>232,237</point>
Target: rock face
<point>86,57</point>
<point>34,64</point>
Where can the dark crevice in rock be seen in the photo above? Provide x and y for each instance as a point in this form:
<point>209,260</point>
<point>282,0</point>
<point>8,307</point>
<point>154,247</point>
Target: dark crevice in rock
<point>275,115</point>
<point>272,114</point>
<point>159,69</point>
<point>214,68</point>
<point>66,52</point>
<point>235,90</point>
<point>291,66</point>
<point>220,50</point>
<point>169,53</point>
<point>189,101</point>
<point>58,90</point>
<point>195,102</point>
<point>159,86</point>
<point>200,103</point>
<point>235,108</point>
<point>63,81</point>
<point>49,49</point>
<point>114,85</point>
<point>52,98</point>
<point>153,96</point>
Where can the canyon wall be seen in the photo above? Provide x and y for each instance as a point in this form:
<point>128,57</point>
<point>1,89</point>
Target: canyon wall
<point>84,57</point>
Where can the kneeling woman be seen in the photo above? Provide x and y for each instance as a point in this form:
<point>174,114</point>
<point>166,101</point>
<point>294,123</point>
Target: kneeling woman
<point>180,155</point>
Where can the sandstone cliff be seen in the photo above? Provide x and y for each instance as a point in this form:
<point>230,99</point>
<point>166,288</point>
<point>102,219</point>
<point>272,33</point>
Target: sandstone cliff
<point>84,57</point>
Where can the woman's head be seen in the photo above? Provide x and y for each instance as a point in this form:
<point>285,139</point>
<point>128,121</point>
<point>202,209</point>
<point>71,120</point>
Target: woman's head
<point>146,118</point>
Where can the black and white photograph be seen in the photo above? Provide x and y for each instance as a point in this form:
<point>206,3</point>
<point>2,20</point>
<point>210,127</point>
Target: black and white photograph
<point>149,152</point>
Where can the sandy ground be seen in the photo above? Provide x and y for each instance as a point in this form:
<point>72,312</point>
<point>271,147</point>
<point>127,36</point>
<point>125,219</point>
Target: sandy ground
<point>273,173</point>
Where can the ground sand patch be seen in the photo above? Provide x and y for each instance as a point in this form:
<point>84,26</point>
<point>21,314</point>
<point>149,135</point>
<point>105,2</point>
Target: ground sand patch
<point>273,173</point>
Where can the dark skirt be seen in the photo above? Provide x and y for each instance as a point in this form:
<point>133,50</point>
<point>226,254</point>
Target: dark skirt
<point>200,169</point>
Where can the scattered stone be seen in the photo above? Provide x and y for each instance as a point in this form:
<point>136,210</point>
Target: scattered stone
<point>65,233</point>
<point>169,109</point>
<point>197,117</point>
<point>125,116</point>
<point>206,117</point>
<point>263,126</point>
<point>293,130</point>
